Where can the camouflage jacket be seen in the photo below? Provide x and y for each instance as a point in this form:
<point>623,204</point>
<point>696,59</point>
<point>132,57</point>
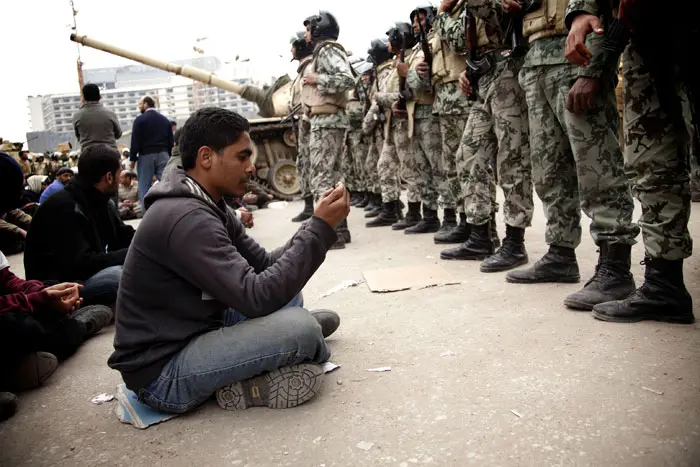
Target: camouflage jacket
<point>551,50</point>
<point>415,83</point>
<point>334,76</point>
<point>375,112</point>
<point>357,106</point>
<point>449,98</point>
<point>15,221</point>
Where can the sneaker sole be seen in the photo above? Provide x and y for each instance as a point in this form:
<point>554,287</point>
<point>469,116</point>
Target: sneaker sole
<point>562,280</point>
<point>482,268</point>
<point>283,388</point>
<point>663,319</point>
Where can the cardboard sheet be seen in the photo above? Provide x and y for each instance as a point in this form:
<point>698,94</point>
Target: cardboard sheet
<point>407,278</point>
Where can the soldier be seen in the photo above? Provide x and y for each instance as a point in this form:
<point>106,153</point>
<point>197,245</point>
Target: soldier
<point>659,93</point>
<point>397,149</point>
<point>452,108</point>
<point>325,82</point>
<point>301,51</point>
<point>356,143</point>
<point>373,124</point>
<point>40,166</point>
<point>576,160</point>
<point>497,130</point>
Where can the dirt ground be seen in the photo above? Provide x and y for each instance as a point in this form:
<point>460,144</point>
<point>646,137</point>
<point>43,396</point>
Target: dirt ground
<point>482,373</point>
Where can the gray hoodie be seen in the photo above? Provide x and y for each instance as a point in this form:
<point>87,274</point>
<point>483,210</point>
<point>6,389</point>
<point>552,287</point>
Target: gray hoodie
<point>189,260</point>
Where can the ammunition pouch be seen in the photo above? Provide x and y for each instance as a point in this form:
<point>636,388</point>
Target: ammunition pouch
<point>324,109</point>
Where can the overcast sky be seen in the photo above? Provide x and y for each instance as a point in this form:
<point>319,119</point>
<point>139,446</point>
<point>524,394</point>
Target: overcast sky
<point>38,57</point>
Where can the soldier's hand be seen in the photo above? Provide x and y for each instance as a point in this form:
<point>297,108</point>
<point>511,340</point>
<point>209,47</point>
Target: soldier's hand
<point>511,6</point>
<point>311,78</point>
<point>402,69</point>
<point>581,96</point>
<point>334,205</point>
<point>422,68</point>
<point>447,6</point>
<point>464,84</point>
<point>576,50</point>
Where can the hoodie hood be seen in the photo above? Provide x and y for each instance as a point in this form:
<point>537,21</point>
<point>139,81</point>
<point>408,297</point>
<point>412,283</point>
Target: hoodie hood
<point>179,185</point>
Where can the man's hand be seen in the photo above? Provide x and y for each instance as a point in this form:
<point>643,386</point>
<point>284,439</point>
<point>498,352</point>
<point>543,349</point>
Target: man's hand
<point>246,218</point>
<point>311,78</point>
<point>422,68</point>
<point>65,297</point>
<point>23,233</point>
<point>28,206</point>
<point>334,205</point>
<point>446,6</point>
<point>402,69</point>
<point>576,50</point>
<point>581,96</point>
<point>132,165</point>
<point>127,203</point>
<point>464,84</point>
<point>511,6</point>
<point>250,198</point>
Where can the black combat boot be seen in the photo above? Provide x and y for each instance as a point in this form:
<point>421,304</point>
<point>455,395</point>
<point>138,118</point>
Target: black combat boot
<point>511,255</point>
<point>388,215</point>
<point>372,199</point>
<point>412,217</point>
<point>340,241</point>
<point>479,246</point>
<point>557,265</point>
<point>459,234</point>
<point>662,297</point>
<point>362,203</point>
<point>344,231</point>
<point>377,208</point>
<point>308,210</point>
<point>428,224</point>
<point>354,198</point>
<point>494,232</point>
<point>612,279</point>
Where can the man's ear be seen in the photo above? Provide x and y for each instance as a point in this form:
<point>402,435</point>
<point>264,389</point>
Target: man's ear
<point>205,156</point>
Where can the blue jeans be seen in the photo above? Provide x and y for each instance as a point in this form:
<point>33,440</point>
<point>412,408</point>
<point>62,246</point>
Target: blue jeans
<point>240,350</point>
<point>102,288</point>
<point>148,166</point>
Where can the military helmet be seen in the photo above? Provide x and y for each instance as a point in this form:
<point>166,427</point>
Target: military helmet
<point>398,33</point>
<point>323,25</point>
<point>378,52</point>
<point>301,47</point>
<point>428,10</point>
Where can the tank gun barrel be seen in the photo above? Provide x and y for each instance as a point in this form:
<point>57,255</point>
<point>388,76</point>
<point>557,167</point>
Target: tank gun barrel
<point>182,70</point>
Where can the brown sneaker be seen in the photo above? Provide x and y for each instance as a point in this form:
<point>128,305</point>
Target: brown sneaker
<point>33,371</point>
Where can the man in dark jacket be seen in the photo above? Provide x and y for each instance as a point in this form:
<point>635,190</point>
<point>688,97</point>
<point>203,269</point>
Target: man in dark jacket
<point>203,308</point>
<point>151,145</point>
<point>93,123</point>
<point>77,235</point>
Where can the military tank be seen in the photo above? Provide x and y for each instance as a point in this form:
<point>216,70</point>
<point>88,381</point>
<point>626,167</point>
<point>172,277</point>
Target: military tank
<point>275,148</point>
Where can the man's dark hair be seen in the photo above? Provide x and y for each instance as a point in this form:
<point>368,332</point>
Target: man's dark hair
<point>91,93</point>
<point>64,170</point>
<point>96,161</point>
<point>213,127</point>
<point>148,100</point>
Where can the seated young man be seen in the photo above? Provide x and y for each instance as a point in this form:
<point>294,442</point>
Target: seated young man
<point>76,235</point>
<point>203,308</point>
<point>129,206</point>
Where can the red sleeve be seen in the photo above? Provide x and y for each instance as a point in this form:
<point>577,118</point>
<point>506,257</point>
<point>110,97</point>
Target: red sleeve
<point>20,295</point>
<point>9,283</point>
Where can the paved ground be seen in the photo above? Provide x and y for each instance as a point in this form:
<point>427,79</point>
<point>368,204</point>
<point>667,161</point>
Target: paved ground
<point>577,384</point>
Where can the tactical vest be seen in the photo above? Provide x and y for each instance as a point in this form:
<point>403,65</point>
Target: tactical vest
<point>488,38</point>
<point>546,21</point>
<point>316,102</point>
<point>295,98</point>
<point>447,64</point>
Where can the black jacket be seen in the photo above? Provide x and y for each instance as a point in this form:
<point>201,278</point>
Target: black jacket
<point>190,260</point>
<point>74,234</point>
<point>150,134</point>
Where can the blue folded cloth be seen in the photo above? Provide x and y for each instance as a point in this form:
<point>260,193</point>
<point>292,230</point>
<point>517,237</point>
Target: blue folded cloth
<point>130,410</point>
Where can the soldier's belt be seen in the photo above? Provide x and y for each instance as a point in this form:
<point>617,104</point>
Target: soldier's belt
<point>325,109</point>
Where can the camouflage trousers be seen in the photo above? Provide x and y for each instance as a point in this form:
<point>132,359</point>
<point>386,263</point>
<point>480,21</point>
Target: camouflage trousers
<point>325,147</point>
<point>426,162</point>
<point>376,142</point>
<point>303,161</point>
<point>576,160</point>
<point>391,167</point>
<point>451,130</point>
<point>656,161</point>
<point>497,132</point>
<point>354,155</point>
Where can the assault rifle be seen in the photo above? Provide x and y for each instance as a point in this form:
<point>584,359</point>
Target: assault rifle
<point>427,53</point>
<point>291,114</point>
<point>404,92</point>
<point>476,67</point>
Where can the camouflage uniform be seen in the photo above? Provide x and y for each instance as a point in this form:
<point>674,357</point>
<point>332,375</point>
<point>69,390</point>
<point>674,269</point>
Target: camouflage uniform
<point>451,106</point>
<point>497,131</point>
<point>303,162</point>
<point>328,130</point>
<point>373,126</point>
<point>356,145</point>
<point>576,159</point>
